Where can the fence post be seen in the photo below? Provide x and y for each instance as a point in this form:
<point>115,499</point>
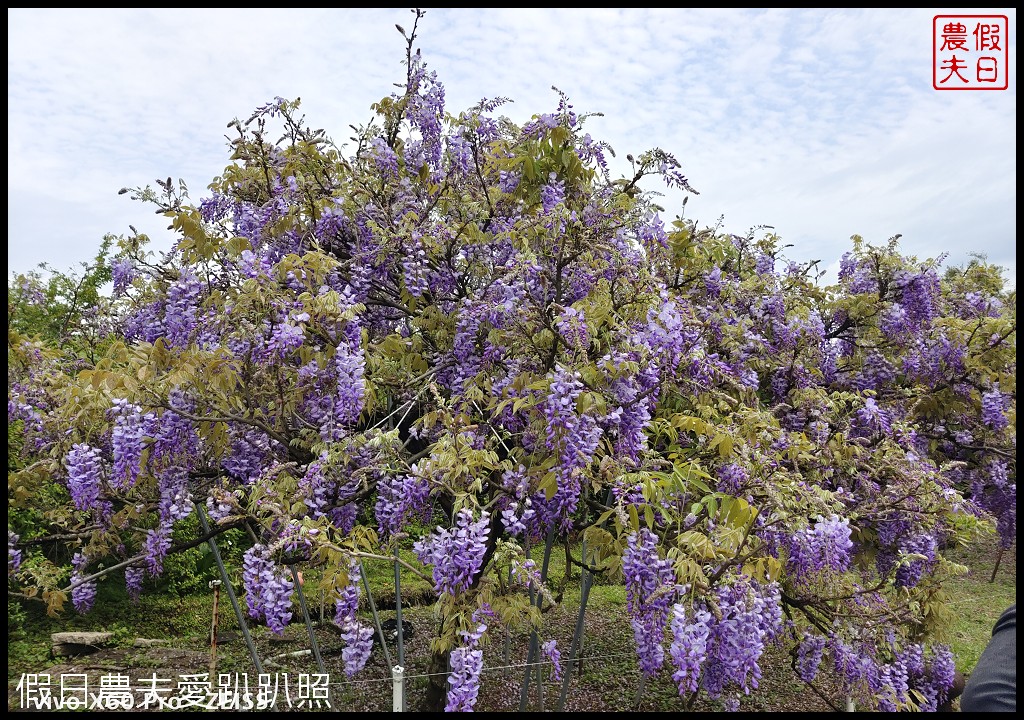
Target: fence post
<point>242,625</point>
<point>397,689</point>
<point>400,650</point>
<point>999,557</point>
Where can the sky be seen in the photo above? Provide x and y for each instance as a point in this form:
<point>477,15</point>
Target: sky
<point>819,123</point>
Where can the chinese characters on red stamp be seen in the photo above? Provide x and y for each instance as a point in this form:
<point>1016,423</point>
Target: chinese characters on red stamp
<point>970,52</point>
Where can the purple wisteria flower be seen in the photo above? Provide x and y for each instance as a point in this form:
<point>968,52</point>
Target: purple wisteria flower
<point>650,591</point>
<point>993,409</point>
<point>131,427</point>
<point>938,677</point>
<point>467,663</point>
<point>85,475</point>
<point>809,654</point>
<point>349,364</point>
<point>920,556</point>
<point>821,548</point>
<point>123,272</point>
<point>732,479</point>
<point>572,325</point>
<point>713,282</point>
<point>508,181</point>
<point>221,504</point>
<point>574,437</point>
<point>715,654</point>
<point>13,553</point>
<point>871,420</point>
<point>751,616</point>
<point>400,498</point>
<point>384,158</point>
<point>551,652</point>
<point>133,577</point>
<point>689,647</point>
<point>268,589</point>
<point>995,492</point>
<point>517,513</point>
<point>456,554</point>
<point>765,264</point>
<point>358,638</point>
<point>158,542</point>
<point>552,193</point>
<point>414,268</point>
<point>83,595</point>
<point>464,679</point>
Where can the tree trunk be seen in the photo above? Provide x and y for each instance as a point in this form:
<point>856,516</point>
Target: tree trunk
<point>437,682</point>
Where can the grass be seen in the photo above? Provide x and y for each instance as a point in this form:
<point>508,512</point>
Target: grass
<point>184,619</point>
<point>976,602</point>
<point>607,680</point>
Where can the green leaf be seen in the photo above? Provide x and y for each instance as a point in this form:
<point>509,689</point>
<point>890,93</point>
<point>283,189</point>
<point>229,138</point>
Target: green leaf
<point>649,516</point>
<point>549,485</point>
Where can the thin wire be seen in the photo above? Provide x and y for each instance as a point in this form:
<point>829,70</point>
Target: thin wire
<point>492,668</point>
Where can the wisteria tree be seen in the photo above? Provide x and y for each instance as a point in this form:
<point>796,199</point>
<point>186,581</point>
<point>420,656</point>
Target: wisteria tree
<point>467,323</point>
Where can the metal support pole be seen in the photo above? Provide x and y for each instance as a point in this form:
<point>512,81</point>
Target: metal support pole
<point>576,649</point>
<point>376,617</point>
<point>242,624</point>
<point>577,637</point>
<point>540,682</point>
<point>540,601</point>
<point>640,691</point>
<point>297,577</point>
<point>508,637</point>
<point>532,653</point>
<point>524,690</point>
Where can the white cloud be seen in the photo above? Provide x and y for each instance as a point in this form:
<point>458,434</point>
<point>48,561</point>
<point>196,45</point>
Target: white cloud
<point>822,123</point>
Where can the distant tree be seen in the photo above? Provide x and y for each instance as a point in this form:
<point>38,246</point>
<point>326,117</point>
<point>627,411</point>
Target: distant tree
<point>63,309</point>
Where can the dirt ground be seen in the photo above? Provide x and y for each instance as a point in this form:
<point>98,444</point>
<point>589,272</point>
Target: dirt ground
<point>111,679</point>
<point>176,679</point>
<point>175,676</point>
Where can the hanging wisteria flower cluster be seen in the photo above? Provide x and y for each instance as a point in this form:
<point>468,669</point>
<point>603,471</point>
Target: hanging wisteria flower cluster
<point>268,589</point>
<point>358,638</point>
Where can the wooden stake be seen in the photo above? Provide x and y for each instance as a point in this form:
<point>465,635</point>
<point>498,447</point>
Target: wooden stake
<point>215,584</point>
